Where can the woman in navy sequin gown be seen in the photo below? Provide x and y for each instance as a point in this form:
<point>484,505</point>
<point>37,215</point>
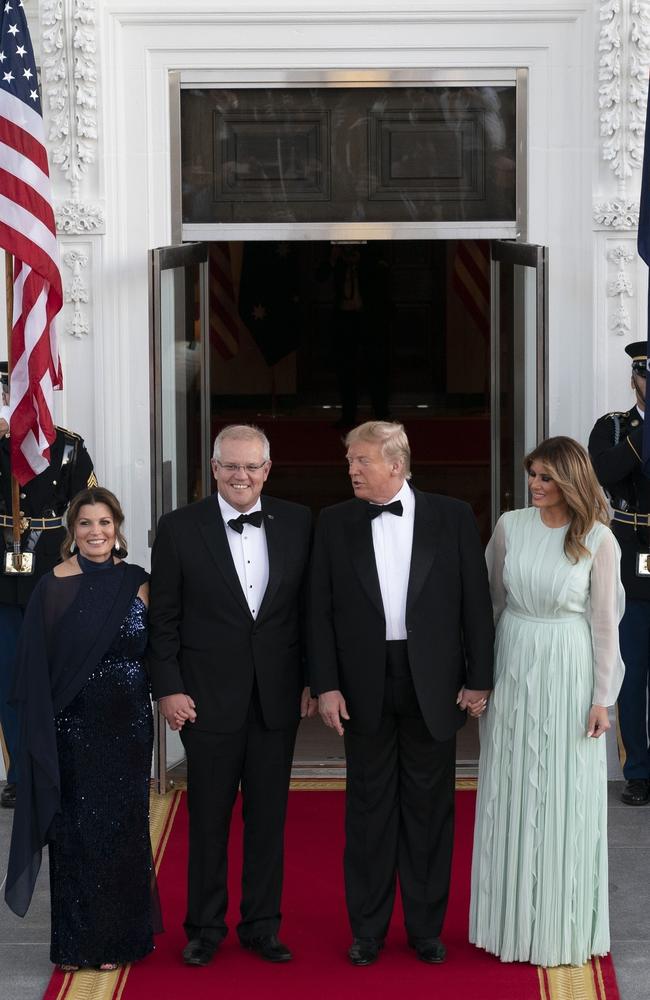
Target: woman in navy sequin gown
<point>91,737</point>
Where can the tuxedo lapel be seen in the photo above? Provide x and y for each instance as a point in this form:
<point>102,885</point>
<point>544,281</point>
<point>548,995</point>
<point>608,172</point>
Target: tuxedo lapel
<point>425,543</point>
<point>213,532</point>
<point>277,538</point>
<point>358,532</point>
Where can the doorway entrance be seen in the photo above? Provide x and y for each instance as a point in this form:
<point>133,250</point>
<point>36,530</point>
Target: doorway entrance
<point>331,334</point>
<point>305,339</point>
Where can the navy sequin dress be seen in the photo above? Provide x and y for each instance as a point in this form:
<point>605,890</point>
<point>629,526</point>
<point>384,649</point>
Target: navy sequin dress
<point>100,859</point>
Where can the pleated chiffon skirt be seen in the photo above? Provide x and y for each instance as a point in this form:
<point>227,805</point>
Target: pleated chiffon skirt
<point>539,875</point>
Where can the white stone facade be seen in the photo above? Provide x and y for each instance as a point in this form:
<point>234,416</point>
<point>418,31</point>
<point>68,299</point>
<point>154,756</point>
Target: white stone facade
<point>105,66</point>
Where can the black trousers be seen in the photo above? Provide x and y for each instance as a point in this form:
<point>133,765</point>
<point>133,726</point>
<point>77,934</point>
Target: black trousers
<point>399,814</point>
<point>260,759</point>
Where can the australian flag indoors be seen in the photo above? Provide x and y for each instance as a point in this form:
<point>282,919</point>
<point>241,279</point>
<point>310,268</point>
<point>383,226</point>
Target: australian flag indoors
<point>269,297</point>
<point>644,251</point>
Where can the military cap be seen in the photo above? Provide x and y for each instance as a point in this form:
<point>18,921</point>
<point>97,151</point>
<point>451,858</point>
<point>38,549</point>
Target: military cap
<point>639,354</point>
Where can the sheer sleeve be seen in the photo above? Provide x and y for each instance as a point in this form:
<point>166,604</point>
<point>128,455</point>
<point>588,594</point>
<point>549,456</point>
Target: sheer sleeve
<point>495,556</point>
<point>607,601</point>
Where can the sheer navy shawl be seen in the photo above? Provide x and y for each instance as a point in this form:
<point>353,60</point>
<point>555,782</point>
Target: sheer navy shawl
<point>70,624</point>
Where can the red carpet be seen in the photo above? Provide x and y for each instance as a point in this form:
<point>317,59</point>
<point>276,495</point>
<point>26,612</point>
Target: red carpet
<point>315,926</point>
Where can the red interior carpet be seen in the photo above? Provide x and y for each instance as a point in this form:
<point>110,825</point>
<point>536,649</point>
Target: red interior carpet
<point>315,927</point>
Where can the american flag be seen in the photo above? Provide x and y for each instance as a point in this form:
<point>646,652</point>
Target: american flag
<point>28,233</point>
<point>225,321</point>
<point>471,280</point>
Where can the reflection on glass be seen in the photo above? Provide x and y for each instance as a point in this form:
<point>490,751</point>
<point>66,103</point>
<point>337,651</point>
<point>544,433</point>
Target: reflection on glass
<point>507,402</point>
<point>394,154</point>
<point>181,382</point>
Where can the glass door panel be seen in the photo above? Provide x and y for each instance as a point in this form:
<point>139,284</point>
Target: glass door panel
<point>180,393</point>
<point>519,365</point>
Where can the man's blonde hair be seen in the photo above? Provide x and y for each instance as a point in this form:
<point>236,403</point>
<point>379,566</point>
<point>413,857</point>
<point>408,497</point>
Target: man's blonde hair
<point>390,436</point>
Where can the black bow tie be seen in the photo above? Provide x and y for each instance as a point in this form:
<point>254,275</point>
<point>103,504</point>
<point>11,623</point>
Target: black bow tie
<point>237,523</point>
<point>375,509</point>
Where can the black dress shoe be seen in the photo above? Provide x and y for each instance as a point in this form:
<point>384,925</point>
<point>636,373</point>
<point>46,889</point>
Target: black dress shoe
<point>269,948</point>
<point>8,796</point>
<point>364,951</point>
<point>198,952</point>
<point>430,950</point>
<point>637,792</point>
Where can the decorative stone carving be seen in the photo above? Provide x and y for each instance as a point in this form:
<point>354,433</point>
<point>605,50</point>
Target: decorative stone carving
<point>77,217</point>
<point>624,57</point>
<point>621,288</point>
<point>609,91</point>
<point>620,213</point>
<point>77,293</point>
<point>70,84</point>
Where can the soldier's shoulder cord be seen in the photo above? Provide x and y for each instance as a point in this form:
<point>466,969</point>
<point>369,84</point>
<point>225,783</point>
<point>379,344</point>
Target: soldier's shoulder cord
<point>619,419</point>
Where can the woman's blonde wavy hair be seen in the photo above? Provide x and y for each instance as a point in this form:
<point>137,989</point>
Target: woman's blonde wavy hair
<point>570,468</point>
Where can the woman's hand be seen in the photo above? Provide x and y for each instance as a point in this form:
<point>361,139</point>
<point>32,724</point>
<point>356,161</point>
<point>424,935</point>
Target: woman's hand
<point>598,721</point>
<point>474,701</point>
<point>177,709</point>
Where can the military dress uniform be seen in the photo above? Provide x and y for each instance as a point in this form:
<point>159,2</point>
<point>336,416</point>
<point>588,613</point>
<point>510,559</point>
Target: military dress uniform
<point>615,446</point>
<point>43,502</point>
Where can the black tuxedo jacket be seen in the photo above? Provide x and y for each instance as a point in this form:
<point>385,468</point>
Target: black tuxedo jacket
<point>203,639</point>
<point>448,614</point>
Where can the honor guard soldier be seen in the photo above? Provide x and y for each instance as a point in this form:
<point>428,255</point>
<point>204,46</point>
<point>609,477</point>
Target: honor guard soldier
<point>43,502</point>
<point>615,446</point>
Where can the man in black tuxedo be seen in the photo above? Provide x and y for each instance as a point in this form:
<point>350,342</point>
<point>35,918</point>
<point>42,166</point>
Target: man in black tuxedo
<point>401,645</point>
<point>226,665</point>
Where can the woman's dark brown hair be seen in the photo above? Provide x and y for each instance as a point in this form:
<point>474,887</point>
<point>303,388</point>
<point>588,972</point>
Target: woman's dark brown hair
<point>570,468</point>
<point>91,496</point>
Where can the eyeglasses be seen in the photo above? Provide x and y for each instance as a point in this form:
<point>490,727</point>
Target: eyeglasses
<point>233,467</point>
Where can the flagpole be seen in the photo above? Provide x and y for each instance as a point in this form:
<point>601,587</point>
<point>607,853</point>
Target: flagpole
<point>15,489</point>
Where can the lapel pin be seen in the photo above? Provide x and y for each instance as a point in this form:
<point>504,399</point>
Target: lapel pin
<point>270,517</point>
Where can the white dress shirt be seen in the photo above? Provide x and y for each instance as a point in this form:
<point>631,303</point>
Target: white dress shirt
<point>392,539</point>
<point>249,554</point>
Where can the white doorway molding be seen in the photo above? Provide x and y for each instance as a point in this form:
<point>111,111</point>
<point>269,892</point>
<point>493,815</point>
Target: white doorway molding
<point>127,186</point>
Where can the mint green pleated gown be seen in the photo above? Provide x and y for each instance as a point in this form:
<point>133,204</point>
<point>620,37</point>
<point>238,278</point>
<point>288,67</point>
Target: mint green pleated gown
<point>539,872</point>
